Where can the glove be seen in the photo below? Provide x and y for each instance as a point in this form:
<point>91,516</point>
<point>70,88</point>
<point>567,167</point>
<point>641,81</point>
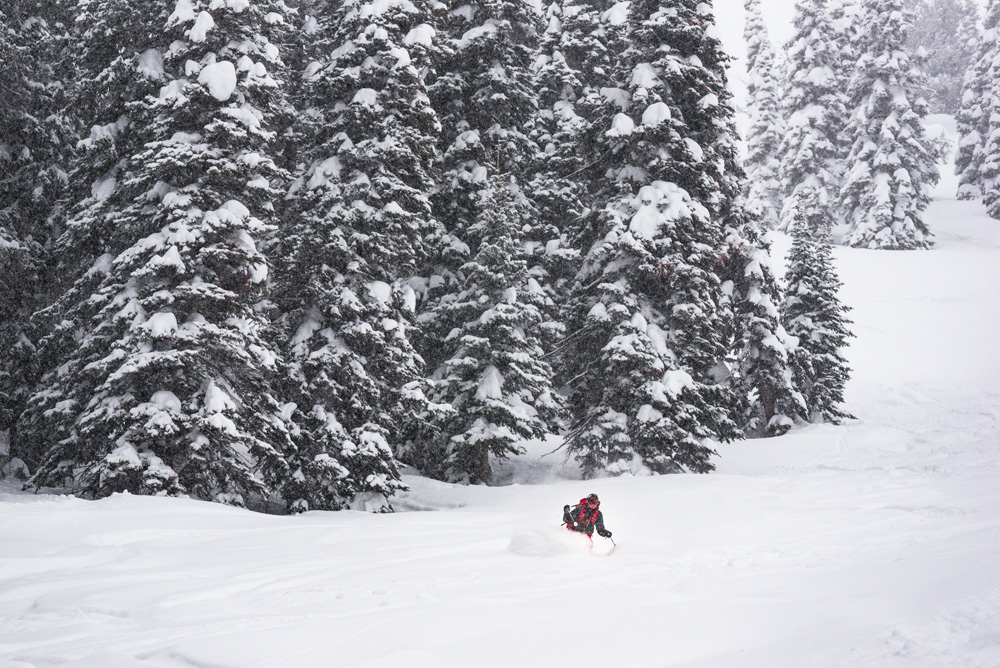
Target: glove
<point>565,509</point>
<point>604,534</point>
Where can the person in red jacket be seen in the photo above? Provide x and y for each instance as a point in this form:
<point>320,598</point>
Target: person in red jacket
<point>585,517</point>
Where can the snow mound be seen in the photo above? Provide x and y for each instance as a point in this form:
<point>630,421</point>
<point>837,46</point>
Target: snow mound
<point>423,34</point>
<point>202,25</point>
<point>621,126</point>
<point>656,113</point>
<point>220,79</point>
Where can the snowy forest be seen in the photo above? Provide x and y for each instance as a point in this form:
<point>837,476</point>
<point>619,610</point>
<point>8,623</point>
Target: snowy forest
<point>272,254</point>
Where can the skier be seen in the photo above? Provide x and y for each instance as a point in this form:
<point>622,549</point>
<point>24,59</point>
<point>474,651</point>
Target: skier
<point>585,517</point>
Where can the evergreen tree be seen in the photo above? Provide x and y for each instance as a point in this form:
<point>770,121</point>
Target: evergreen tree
<point>764,401</point>
<point>705,106</point>
<point>645,335</point>
<point>892,164</point>
<point>815,111</point>
<point>484,94</point>
<point>846,19</point>
<point>118,59</point>
<point>485,99</point>
<point>678,41</point>
<point>493,375</point>
<point>35,136</point>
<point>591,39</point>
<point>359,227</point>
<point>649,325</point>
<point>557,185</point>
<point>577,99</point>
<point>767,401</point>
<point>813,314</point>
<point>990,169</point>
<point>767,125</point>
<point>973,117</point>
<point>35,143</point>
<point>161,382</point>
<point>942,29</point>
<point>18,259</point>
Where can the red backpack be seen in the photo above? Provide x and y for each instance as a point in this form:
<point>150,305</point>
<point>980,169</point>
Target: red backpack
<point>585,515</point>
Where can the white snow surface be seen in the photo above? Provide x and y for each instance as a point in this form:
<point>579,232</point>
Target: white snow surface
<point>201,26</point>
<point>875,544</point>
<point>621,125</point>
<point>656,113</point>
<point>423,35</point>
<point>151,64</point>
<point>381,291</point>
<point>220,79</point>
<point>365,96</point>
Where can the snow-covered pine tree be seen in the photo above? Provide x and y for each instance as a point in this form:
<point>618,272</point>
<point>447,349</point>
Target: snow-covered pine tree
<point>557,186</point>
<point>814,316</point>
<point>118,59</point>
<point>942,29</point>
<point>485,96</point>
<point>764,402</point>
<point>967,35</point>
<point>636,389</point>
<point>815,111</point>
<point>767,402</point>
<point>36,144</point>
<point>891,167</point>
<point>577,98</point>
<point>493,375</point>
<point>486,99</point>
<point>592,37</point>
<point>649,327</point>
<point>160,380</point>
<point>990,169</point>
<point>301,44</point>
<point>766,131</point>
<point>36,138</point>
<point>19,259</point>
<point>846,18</point>
<point>973,117</point>
<point>359,226</point>
<point>681,45</point>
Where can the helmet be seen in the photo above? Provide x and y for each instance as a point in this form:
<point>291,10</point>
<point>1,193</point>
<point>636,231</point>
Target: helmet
<point>593,497</point>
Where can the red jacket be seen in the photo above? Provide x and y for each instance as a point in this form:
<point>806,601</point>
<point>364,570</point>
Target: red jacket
<point>581,518</point>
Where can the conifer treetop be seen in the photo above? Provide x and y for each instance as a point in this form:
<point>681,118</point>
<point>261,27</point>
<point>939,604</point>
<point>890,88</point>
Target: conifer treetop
<point>892,164</point>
